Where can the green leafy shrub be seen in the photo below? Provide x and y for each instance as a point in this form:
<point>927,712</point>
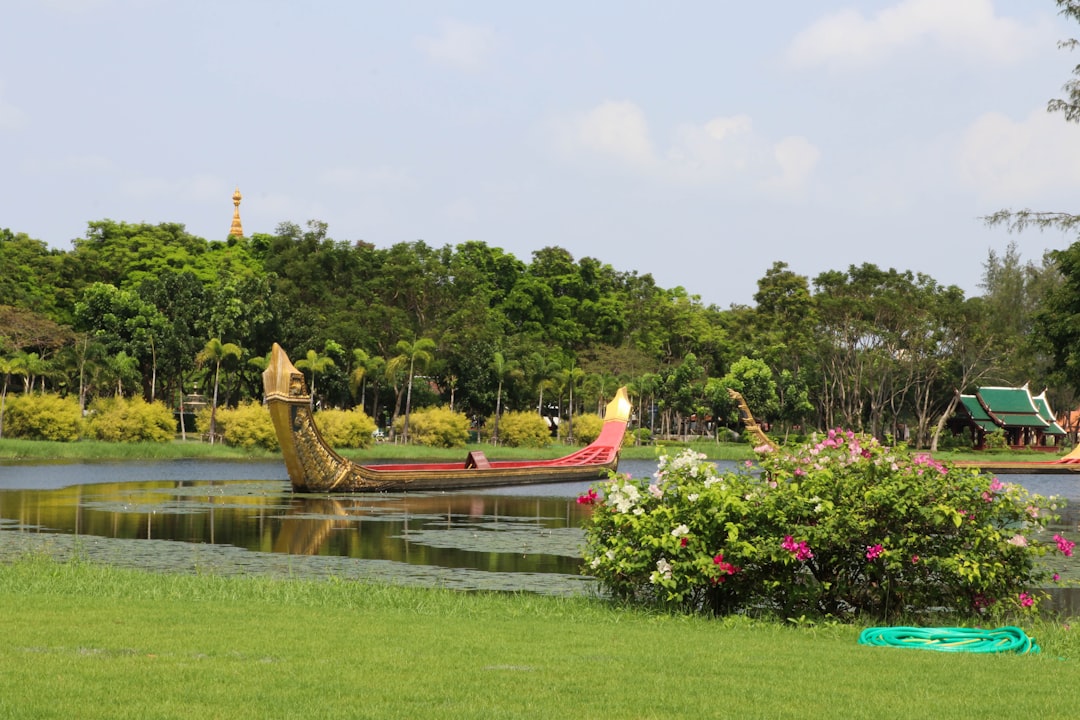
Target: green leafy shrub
<point>345,428</point>
<point>436,427</point>
<point>42,417</point>
<point>838,528</point>
<point>247,425</point>
<point>587,428</point>
<point>120,419</point>
<point>642,436</point>
<point>521,429</point>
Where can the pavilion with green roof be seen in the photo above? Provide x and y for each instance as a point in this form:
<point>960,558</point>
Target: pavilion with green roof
<point>1026,419</point>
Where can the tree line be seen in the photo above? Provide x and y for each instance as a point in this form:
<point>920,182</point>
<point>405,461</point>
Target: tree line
<point>136,308</point>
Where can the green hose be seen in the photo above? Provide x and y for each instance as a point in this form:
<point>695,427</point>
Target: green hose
<point>954,639</point>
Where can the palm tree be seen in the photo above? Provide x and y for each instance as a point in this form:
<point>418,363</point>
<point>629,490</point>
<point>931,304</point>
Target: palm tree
<point>316,363</point>
<point>215,352</point>
<point>413,354</point>
<point>6,368</point>
<point>79,359</point>
<point>16,366</point>
<point>30,366</point>
<point>358,375</point>
<point>122,367</point>
<point>545,374</point>
<point>504,370</point>
<point>569,378</point>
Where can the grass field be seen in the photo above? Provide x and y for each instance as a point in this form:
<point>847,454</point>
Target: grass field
<point>97,642</point>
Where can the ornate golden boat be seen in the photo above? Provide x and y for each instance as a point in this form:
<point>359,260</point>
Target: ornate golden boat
<point>313,465</point>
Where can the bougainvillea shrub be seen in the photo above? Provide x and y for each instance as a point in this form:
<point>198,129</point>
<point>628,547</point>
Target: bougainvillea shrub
<point>837,527</point>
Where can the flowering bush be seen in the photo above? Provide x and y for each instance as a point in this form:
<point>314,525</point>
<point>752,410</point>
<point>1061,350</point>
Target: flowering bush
<point>834,527</point>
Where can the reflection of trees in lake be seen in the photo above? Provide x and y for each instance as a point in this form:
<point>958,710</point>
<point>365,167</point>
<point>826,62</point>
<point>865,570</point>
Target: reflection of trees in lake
<point>484,532</point>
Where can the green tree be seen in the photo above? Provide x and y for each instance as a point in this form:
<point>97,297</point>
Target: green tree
<point>358,375</point>
<point>411,355</point>
<point>214,353</point>
<point>315,364</point>
<point>504,370</point>
<point>6,368</point>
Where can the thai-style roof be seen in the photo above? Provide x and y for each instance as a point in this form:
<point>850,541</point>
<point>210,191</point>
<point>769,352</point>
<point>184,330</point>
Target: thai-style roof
<point>969,405</point>
<point>1047,414</point>
<point>1011,407</point>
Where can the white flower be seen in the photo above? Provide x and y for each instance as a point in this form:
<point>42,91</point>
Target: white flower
<point>663,570</point>
<point>1018,541</point>
<point>680,531</point>
<point>692,497</point>
<point>623,497</point>
<point>595,563</point>
<point>610,554</point>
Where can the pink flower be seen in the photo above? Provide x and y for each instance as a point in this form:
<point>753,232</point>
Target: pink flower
<point>996,485</point>
<point>1026,600</point>
<point>1064,545</point>
<point>1018,540</point>
<point>873,551</point>
<point>914,559</point>
<point>1056,577</point>
<point>800,549</point>
<point>588,498</point>
<point>683,542</point>
<point>725,568</point>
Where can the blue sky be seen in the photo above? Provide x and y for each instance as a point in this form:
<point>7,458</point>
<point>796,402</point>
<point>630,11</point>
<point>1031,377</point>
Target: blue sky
<point>699,141</point>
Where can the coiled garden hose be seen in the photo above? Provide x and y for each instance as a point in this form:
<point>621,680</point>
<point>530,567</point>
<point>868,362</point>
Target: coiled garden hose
<point>953,639</point>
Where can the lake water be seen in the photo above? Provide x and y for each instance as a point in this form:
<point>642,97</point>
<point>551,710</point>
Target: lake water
<point>226,517</point>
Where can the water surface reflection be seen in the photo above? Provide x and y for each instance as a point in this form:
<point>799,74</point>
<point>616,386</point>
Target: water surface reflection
<point>242,517</point>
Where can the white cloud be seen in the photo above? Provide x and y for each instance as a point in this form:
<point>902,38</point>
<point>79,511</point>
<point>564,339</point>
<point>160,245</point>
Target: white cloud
<point>460,45</point>
<point>1010,162</point>
<point>720,148</point>
<point>797,158</point>
<point>615,129</point>
<point>724,149</point>
<point>964,27</point>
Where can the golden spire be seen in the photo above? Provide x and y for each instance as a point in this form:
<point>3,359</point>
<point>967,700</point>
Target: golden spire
<point>237,229</point>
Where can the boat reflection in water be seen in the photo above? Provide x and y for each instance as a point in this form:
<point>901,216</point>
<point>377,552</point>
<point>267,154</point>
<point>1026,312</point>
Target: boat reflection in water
<point>466,540</point>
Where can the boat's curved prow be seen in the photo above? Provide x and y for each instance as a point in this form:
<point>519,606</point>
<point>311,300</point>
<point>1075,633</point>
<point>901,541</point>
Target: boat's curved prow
<point>289,402</point>
<point>281,379</point>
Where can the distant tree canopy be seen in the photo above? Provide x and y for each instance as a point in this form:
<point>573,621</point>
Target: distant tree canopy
<point>132,308</point>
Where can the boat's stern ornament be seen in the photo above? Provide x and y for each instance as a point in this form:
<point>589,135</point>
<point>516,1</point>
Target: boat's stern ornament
<point>748,421</point>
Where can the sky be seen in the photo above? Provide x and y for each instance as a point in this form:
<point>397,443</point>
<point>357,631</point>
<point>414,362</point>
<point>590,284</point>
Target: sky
<point>699,141</point>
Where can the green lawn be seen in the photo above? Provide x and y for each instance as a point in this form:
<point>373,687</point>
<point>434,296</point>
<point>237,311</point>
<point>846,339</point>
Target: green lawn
<point>19,450</point>
<point>96,642</point>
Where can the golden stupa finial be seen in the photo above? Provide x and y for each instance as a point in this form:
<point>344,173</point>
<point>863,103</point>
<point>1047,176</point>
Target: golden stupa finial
<point>237,229</point>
